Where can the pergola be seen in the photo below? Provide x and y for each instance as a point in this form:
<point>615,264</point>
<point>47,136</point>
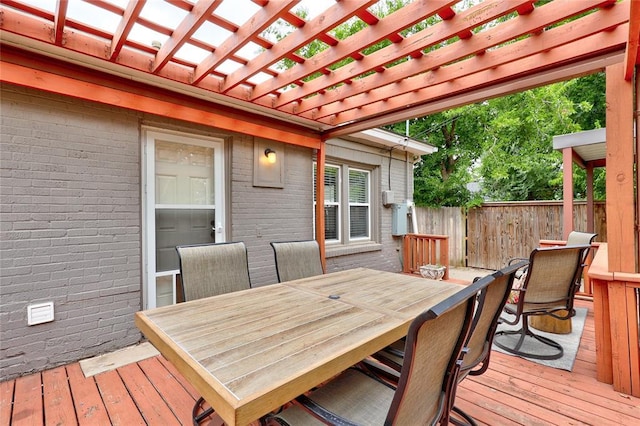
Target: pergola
<point>467,51</point>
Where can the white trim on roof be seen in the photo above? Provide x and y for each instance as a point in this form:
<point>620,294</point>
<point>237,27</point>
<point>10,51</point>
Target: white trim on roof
<point>394,140</point>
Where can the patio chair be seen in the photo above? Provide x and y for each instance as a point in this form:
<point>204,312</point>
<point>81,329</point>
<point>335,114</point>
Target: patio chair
<point>491,301</point>
<point>297,259</point>
<point>552,280</point>
<point>486,318</point>
<point>427,382</point>
<point>576,238</point>
<point>209,270</point>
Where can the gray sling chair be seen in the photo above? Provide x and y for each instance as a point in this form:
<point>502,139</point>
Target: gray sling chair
<point>209,270</point>
<point>297,259</point>
<point>491,301</point>
<point>576,238</point>
<point>425,391</point>
<point>552,280</point>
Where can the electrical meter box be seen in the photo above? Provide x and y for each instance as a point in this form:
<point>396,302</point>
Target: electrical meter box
<point>399,219</point>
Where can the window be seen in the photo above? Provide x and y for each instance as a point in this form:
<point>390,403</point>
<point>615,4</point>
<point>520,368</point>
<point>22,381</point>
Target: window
<point>347,203</point>
<point>359,204</point>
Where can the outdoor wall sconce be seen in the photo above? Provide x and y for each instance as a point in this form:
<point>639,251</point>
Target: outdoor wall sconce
<point>271,155</point>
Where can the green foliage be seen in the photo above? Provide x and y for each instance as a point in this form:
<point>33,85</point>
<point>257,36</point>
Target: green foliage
<point>505,144</point>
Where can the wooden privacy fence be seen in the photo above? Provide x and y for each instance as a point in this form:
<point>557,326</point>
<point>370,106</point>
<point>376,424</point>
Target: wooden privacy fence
<point>449,221</point>
<point>488,236</point>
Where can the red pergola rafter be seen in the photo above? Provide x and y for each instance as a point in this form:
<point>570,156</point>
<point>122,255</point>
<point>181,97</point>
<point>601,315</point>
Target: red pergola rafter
<point>533,45</point>
<point>410,47</point>
<point>131,14</point>
<point>504,81</point>
<point>386,28</point>
<point>254,26</point>
<point>182,34</point>
<point>332,17</point>
<point>452,53</point>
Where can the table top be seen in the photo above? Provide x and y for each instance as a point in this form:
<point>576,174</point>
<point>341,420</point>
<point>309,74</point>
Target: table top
<point>251,351</point>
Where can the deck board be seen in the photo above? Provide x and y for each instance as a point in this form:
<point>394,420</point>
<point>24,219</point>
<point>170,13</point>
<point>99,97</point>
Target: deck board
<point>512,391</point>
<point>27,401</point>
<point>58,405</point>
<point>120,406</point>
<point>174,395</point>
<point>147,399</point>
<point>6,400</point>
<point>89,407</point>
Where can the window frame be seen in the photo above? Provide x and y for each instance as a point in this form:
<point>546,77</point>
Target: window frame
<point>359,204</point>
<point>344,204</point>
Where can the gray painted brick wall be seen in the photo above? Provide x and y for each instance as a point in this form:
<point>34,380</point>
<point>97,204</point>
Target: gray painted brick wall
<point>71,220</point>
<point>70,229</point>
<point>261,215</point>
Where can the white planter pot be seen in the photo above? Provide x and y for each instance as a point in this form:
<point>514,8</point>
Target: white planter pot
<point>434,272</point>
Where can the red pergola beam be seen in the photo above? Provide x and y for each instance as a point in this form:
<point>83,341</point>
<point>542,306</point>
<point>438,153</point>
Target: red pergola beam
<point>501,81</point>
<point>481,42</point>
<point>534,45</point>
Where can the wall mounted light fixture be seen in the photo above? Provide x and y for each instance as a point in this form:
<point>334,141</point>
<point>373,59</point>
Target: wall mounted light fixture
<point>271,155</point>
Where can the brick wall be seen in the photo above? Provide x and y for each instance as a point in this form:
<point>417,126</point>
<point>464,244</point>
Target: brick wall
<point>261,215</point>
<point>70,233</point>
<point>71,221</point>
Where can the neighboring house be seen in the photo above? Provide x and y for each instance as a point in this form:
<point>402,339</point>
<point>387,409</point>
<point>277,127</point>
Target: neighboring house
<point>95,198</point>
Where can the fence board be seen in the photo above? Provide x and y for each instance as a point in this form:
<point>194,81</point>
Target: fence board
<point>488,236</point>
<point>449,221</point>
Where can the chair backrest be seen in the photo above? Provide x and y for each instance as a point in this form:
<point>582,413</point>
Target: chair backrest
<point>432,358</point>
<point>485,321</point>
<point>577,238</point>
<point>211,269</point>
<point>297,259</point>
<point>551,279</point>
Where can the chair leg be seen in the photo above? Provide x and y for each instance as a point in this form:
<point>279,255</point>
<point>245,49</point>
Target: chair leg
<point>466,420</point>
<point>197,418</point>
<point>523,333</point>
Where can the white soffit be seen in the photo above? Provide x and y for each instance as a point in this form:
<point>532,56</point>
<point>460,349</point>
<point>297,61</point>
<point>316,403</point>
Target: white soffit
<point>392,140</point>
<point>590,145</point>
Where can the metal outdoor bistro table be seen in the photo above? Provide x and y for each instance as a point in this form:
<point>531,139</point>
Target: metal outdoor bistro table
<point>251,351</point>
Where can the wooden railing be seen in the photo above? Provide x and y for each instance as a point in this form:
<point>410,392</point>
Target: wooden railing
<point>615,310</point>
<point>423,249</point>
<point>587,288</point>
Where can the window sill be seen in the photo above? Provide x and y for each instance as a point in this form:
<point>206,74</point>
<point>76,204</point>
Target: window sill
<point>354,248</point>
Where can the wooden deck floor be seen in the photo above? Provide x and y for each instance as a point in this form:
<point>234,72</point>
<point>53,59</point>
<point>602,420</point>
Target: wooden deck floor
<point>512,391</point>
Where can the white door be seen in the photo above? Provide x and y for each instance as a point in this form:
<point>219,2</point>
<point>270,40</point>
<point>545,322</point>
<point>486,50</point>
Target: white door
<point>184,205</point>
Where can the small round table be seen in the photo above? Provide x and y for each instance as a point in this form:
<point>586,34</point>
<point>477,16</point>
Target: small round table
<point>550,324</point>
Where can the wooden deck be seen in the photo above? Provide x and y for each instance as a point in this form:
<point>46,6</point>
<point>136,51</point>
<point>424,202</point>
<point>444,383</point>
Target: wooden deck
<point>513,391</point>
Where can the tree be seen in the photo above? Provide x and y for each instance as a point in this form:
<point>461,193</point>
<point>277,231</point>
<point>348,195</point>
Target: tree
<point>588,94</point>
<point>441,178</point>
<point>505,144</point>
<point>518,162</point>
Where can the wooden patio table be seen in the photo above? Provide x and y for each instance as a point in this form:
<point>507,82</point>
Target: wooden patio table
<point>251,351</point>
